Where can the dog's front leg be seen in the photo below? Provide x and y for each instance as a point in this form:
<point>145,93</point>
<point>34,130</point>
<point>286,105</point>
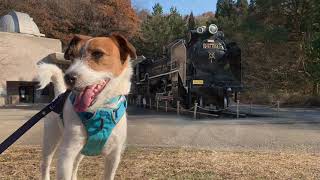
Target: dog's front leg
<point>70,148</point>
<point>51,136</point>
<point>76,166</point>
<point>111,163</point>
<point>114,148</point>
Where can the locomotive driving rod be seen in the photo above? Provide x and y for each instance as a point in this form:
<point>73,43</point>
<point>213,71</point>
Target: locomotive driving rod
<point>56,106</point>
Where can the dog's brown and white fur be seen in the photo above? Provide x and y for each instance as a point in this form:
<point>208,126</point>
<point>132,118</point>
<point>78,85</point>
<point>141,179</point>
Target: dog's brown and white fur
<point>94,59</point>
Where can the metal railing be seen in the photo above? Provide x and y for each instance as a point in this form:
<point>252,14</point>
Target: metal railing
<point>239,111</point>
<point>164,105</point>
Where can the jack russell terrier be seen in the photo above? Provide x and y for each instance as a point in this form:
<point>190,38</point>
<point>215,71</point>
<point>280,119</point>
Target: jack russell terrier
<point>93,120</point>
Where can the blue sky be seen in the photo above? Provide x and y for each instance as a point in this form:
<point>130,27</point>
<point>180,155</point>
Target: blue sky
<point>184,6</point>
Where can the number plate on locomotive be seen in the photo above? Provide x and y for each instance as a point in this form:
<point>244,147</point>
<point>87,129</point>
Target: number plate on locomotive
<point>197,82</point>
<point>214,45</point>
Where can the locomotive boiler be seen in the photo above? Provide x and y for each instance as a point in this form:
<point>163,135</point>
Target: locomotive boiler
<point>203,68</point>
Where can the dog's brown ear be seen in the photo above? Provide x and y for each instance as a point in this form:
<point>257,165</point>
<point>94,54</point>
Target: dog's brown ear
<point>74,47</point>
<point>125,47</point>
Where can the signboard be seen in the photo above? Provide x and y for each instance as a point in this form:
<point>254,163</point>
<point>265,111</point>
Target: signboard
<point>212,45</point>
<point>197,82</point>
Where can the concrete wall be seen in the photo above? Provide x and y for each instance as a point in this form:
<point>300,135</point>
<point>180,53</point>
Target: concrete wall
<point>19,54</point>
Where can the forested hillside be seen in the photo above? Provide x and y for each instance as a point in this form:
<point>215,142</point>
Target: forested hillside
<point>62,18</point>
<point>279,41</point>
<point>280,44</point>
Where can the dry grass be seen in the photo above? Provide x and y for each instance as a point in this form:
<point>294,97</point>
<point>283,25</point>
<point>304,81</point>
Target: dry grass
<point>173,163</point>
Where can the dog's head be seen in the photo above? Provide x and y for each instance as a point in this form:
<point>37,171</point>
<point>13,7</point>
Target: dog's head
<point>75,45</point>
<point>98,63</point>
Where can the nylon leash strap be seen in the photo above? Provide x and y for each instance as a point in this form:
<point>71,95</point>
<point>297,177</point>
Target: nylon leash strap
<point>56,106</point>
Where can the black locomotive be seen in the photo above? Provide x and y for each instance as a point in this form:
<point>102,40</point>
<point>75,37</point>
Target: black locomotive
<point>204,68</point>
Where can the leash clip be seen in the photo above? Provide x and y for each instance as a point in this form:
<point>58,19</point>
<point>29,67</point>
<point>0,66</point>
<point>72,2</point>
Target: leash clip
<point>113,114</point>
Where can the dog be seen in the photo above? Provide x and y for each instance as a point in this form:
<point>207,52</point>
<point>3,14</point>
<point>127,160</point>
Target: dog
<point>100,71</point>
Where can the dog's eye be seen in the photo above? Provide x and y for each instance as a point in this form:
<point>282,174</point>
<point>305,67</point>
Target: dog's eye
<point>97,54</point>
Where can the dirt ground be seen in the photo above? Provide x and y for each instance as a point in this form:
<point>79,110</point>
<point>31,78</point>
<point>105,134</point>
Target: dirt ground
<point>22,162</point>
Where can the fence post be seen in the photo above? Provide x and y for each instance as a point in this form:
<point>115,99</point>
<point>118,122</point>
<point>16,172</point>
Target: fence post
<point>195,110</point>
<point>157,105</point>
<point>278,107</point>
<point>250,107</point>
<point>178,107</point>
<point>166,106</point>
<point>238,102</point>
<point>150,103</point>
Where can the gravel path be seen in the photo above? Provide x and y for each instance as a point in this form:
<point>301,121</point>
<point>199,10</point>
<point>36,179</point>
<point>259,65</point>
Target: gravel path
<point>150,128</point>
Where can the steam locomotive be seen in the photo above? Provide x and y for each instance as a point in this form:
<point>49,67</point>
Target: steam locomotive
<point>203,68</point>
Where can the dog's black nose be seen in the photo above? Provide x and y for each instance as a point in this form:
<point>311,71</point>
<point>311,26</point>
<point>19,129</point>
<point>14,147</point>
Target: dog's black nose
<point>70,79</point>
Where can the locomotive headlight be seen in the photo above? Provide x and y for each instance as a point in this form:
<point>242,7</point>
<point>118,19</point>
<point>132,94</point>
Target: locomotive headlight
<point>213,28</point>
<point>201,30</point>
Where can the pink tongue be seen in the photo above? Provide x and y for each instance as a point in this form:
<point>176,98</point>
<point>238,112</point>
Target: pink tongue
<point>87,96</point>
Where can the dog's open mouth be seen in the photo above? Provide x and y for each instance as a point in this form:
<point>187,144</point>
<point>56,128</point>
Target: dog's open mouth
<point>87,96</point>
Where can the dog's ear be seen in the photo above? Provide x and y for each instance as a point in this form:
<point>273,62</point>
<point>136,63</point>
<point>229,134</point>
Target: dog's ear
<point>125,47</point>
<point>74,47</point>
